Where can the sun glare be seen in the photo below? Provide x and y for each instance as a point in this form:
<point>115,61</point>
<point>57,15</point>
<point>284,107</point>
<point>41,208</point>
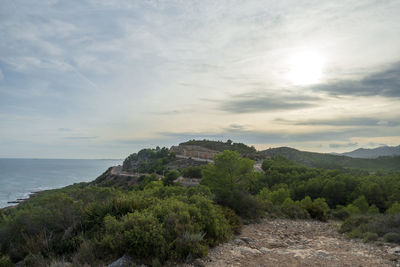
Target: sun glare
<point>305,68</point>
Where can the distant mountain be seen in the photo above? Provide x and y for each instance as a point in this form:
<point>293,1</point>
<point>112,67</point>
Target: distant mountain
<point>329,161</point>
<point>372,153</point>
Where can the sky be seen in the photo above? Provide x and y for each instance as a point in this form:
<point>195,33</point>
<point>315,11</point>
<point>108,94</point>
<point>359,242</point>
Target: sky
<point>105,78</point>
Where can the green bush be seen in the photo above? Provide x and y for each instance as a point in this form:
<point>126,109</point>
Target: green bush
<point>138,234</point>
<point>317,209</point>
<point>294,210</point>
<point>362,204</point>
<point>179,227</point>
<point>373,210</point>
<point>192,172</point>
<point>392,237</point>
<point>170,177</point>
<point>340,213</point>
<point>352,210</point>
<point>234,221</point>
<point>395,208</point>
<point>279,196</point>
<point>246,206</point>
<point>5,261</point>
<point>369,237</point>
<point>264,194</point>
<point>354,222</point>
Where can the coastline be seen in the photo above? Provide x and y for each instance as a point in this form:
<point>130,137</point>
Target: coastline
<point>21,179</point>
<point>21,200</point>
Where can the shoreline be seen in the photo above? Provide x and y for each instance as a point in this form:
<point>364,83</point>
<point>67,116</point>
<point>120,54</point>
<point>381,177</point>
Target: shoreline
<point>21,200</point>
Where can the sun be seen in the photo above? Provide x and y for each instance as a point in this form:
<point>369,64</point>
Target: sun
<point>305,68</point>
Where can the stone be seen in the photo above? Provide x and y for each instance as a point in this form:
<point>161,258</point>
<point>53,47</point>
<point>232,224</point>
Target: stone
<point>395,250</point>
<point>124,261</point>
<point>246,239</point>
<point>198,263</point>
<point>264,250</point>
<point>247,250</point>
<point>239,242</point>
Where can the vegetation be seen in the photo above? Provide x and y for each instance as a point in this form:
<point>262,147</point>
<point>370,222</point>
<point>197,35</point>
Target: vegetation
<point>193,172</point>
<point>148,160</point>
<point>242,149</point>
<point>157,221</point>
<point>329,161</point>
<point>230,178</point>
<point>93,225</point>
<point>365,226</point>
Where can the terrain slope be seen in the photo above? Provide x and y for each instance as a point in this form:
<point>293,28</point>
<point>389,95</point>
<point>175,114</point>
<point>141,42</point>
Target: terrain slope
<point>299,243</point>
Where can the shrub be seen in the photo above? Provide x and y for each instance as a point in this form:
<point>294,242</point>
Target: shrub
<point>278,197</point>
<point>86,254</point>
<point>246,206</point>
<point>190,246</point>
<point>170,177</point>
<point>294,210</point>
<point>318,209</point>
<point>340,213</point>
<point>5,261</point>
<point>59,263</point>
<point>368,237</point>
<point>353,222</point>
<point>361,203</point>
<point>264,194</point>
<point>192,172</point>
<point>234,221</point>
<point>352,210</point>
<point>34,260</point>
<point>392,237</point>
<point>395,208</point>
<point>373,210</point>
<point>138,234</point>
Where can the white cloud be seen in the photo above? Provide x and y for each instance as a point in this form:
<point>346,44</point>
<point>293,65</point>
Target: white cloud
<point>124,63</point>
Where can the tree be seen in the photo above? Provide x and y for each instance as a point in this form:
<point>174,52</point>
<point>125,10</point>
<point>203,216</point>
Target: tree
<point>362,204</point>
<point>170,177</point>
<point>395,208</point>
<point>229,174</point>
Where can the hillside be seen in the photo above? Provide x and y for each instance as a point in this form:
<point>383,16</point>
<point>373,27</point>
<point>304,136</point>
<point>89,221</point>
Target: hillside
<point>329,161</point>
<point>372,153</point>
<point>242,149</point>
<point>139,213</point>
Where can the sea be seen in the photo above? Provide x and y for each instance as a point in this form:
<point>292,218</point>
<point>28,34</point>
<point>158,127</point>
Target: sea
<point>21,177</point>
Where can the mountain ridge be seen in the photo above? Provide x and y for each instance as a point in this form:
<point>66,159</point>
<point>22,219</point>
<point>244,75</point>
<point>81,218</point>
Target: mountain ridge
<point>374,152</point>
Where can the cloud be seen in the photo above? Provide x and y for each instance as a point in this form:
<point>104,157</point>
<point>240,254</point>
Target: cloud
<point>64,129</point>
<point>373,144</point>
<point>1,75</point>
<point>340,145</point>
<point>383,83</point>
<point>356,121</point>
<point>80,137</point>
<point>283,136</point>
<point>259,102</point>
<point>112,67</point>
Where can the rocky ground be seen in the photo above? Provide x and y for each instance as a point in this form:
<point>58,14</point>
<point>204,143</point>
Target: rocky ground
<point>299,243</point>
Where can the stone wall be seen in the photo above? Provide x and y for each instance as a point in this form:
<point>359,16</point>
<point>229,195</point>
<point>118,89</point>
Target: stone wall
<point>191,151</point>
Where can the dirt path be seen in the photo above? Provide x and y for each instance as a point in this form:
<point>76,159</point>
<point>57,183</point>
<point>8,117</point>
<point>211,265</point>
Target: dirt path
<point>299,243</point>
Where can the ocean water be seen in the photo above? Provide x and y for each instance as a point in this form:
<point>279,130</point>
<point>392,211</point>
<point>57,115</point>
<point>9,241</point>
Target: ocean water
<point>20,177</point>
